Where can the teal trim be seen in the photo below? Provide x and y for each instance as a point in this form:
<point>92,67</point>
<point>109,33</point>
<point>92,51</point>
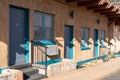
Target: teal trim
<point>102,57</point>
<point>69,40</point>
<point>48,62</point>
<point>85,61</point>
<point>2,69</point>
<point>27,51</point>
<point>117,54</point>
<point>71,49</point>
<point>38,43</point>
<point>102,46</point>
<point>85,48</point>
<point>96,47</point>
<point>27,40</point>
<point>90,60</point>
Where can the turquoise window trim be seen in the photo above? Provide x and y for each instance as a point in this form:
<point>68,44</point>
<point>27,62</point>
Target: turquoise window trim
<point>39,43</point>
<point>102,46</point>
<point>85,48</point>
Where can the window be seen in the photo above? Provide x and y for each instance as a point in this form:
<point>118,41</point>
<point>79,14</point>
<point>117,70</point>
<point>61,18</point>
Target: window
<point>84,37</point>
<point>43,26</point>
<point>102,38</point>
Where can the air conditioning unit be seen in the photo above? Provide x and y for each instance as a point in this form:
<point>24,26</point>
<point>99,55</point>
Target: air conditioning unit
<point>52,50</point>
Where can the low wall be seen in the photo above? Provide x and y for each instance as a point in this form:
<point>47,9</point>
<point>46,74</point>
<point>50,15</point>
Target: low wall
<point>61,67</point>
<point>11,74</point>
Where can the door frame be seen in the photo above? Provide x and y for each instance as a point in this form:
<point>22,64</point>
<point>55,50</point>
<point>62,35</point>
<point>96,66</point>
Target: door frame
<point>72,49</point>
<point>96,53</point>
<point>27,49</point>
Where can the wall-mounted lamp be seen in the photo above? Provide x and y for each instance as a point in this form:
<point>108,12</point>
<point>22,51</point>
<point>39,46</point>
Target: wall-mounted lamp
<point>72,14</point>
<point>98,21</point>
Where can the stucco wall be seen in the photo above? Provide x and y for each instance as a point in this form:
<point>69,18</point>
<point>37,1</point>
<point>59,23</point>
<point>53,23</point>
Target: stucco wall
<point>82,18</point>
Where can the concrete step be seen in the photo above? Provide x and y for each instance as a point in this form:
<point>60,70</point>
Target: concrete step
<point>29,71</point>
<point>20,66</point>
<point>36,77</point>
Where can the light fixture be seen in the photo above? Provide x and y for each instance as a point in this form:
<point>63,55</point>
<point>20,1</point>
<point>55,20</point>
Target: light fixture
<point>98,21</point>
<point>72,14</point>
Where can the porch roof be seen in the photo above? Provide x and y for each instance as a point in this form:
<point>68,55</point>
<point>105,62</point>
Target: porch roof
<point>104,7</point>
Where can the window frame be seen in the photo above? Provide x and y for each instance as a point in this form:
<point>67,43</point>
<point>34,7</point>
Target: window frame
<point>102,39</point>
<point>43,36</point>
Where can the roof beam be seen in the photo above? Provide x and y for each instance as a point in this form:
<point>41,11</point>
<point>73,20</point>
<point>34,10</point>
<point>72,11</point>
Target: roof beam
<point>102,6</point>
<point>104,10</point>
<point>109,12</point>
<point>117,22</point>
<point>113,15</point>
<point>69,1</point>
<point>113,20</point>
<point>88,3</point>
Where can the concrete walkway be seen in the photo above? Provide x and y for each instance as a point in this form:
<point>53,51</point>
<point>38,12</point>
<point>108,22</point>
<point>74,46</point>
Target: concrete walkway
<point>106,71</point>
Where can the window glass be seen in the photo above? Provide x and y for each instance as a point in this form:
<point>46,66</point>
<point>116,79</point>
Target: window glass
<point>43,26</point>
<point>84,37</point>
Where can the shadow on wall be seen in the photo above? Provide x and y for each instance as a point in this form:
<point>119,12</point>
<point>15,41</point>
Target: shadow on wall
<point>39,54</point>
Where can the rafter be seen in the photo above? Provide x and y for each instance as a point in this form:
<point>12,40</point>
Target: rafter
<point>117,22</point>
<point>109,12</point>
<point>113,15</point>
<point>87,3</point>
<point>113,20</point>
<point>68,1</point>
<point>102,6</point>
<point>105,10</point>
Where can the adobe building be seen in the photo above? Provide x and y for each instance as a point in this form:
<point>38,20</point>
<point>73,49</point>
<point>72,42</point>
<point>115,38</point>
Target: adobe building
<point>80,29</point>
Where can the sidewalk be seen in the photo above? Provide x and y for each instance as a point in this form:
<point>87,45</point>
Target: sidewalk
<point>106,71</point>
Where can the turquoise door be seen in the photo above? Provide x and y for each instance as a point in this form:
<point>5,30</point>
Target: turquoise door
<point>68,42</point>
<point>18,35</point>
<point>96,47</point>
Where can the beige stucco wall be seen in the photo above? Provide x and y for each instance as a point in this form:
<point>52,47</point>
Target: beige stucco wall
<point>82,18</point>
